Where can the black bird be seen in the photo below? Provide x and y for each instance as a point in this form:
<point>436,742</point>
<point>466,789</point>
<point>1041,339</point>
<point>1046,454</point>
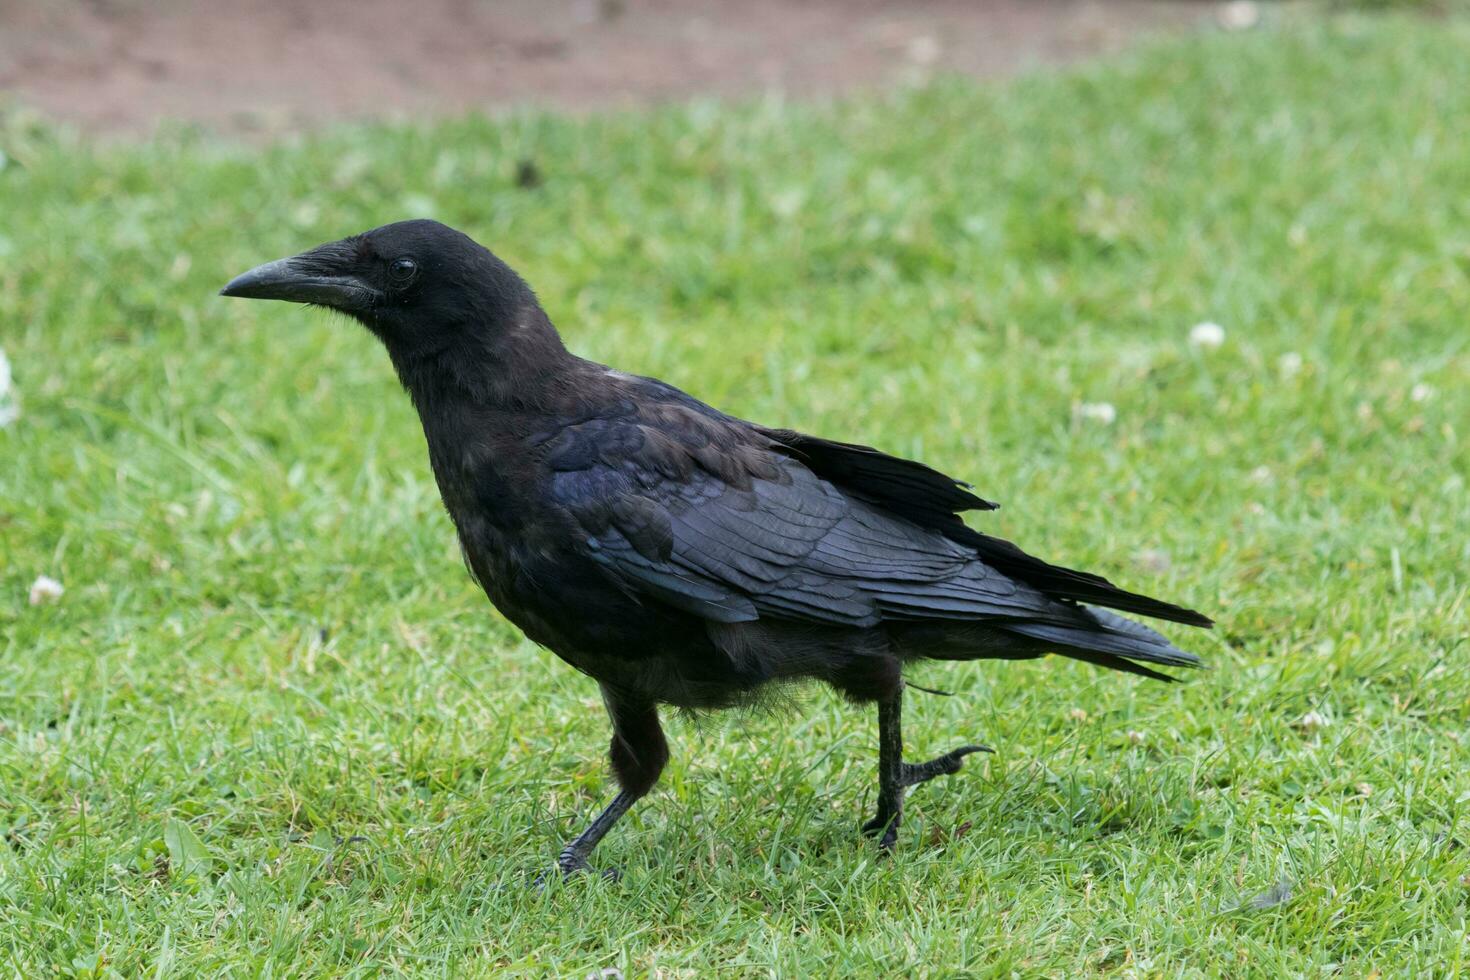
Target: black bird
<point>681,556</point>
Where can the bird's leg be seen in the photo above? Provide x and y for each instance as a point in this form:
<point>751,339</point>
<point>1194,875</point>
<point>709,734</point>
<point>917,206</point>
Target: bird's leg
<point>573,857</point>
<point>895,776</point>
<point>638,754</point>
<point>890,772</point>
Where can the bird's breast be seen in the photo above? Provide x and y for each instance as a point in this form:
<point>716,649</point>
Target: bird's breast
<point>562,600</point>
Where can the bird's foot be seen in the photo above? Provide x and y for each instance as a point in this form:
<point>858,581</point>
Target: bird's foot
<point>885,827</point>
<point>914,773</point>
<point>570,866</point>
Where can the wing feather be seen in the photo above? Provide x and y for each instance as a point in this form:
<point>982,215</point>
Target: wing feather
<point>777,541</point>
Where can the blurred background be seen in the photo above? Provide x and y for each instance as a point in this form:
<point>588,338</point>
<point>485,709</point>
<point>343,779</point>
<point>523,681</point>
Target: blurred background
<point>119,66</point>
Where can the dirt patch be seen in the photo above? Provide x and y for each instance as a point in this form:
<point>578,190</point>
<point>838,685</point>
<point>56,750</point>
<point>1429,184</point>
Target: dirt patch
<point>121,66</point>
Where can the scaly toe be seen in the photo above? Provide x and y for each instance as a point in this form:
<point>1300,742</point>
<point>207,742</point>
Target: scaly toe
<point>887,832</point>
<point>877,825</point>
<point>944,765</point>
<point>567,870</point>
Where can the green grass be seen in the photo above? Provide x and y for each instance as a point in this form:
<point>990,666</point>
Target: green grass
<point>272,728</point>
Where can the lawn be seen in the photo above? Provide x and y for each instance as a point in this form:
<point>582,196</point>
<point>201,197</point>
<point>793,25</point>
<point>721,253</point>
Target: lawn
<point>271,728</point>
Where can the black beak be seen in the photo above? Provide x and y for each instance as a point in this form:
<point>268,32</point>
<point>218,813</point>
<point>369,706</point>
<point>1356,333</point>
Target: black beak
<point>306,278</point>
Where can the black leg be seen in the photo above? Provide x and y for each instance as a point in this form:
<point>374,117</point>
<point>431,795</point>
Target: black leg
<point>638,755</point>
<point>890,772</point>
<point>895,776</point>
<point>573,857</point>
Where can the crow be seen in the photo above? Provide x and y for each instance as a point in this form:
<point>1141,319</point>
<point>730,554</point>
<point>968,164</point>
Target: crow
<point>680,556</point>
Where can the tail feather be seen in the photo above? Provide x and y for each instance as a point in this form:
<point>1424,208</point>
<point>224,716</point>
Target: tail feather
<point>1069,583</point>
<point>1112,662</point>
<point>1108,638</point>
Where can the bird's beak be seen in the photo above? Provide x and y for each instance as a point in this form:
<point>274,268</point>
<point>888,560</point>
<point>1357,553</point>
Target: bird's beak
<point>311,277</point>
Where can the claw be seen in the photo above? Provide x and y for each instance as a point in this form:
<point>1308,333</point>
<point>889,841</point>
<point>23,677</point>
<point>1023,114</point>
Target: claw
<point>887,825</point>
<point>911,774</point>
<point>566,870</point>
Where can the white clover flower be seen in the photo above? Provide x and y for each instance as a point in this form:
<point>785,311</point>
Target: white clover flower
<point>1207,335</point>
<point>1289,364</point>
<point>1102,412</point>
<point>1312,721</point>
<point>1421,392</point>
<point>45,589</point>
<point>1239,15</point>
<point>9,402</point>
<point>1155,560</point>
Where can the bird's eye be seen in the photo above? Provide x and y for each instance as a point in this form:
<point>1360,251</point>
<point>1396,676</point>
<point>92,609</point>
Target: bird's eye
<point>402,269</point>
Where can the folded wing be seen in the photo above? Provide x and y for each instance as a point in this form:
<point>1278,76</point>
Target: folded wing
<point>716,519</point>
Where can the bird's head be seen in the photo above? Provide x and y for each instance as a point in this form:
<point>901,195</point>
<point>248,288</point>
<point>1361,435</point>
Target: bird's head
<point>420,286</point>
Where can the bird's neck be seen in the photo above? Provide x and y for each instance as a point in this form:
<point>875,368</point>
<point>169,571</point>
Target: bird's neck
<point>479,398</point>
<point>521,365</point>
